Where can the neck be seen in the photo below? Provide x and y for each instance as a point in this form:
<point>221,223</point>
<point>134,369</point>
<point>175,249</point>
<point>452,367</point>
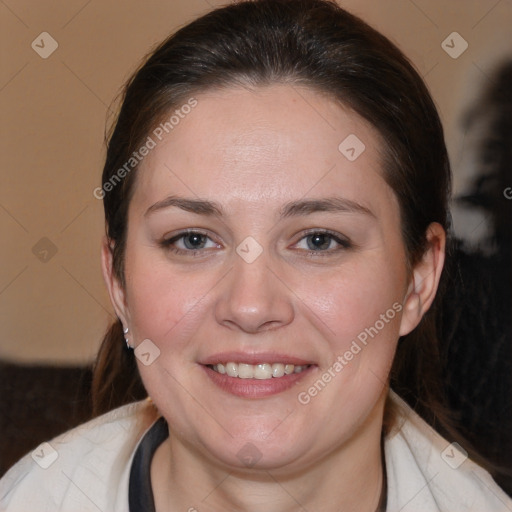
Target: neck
<point>350,478</point>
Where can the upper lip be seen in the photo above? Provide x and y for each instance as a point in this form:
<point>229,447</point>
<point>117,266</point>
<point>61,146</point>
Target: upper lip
<point>254,358</point>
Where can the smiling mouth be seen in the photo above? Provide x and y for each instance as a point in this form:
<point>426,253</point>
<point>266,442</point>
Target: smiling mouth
<point>261,371</point>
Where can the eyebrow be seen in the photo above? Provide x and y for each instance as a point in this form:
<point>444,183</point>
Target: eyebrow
<point>328,204</point>
<point>199,206</point>
<point>294,208</point>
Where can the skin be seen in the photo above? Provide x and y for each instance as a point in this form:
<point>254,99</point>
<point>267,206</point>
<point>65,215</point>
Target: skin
<point>251,152</point>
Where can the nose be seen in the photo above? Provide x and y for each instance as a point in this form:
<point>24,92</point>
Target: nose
<point>253,299</point>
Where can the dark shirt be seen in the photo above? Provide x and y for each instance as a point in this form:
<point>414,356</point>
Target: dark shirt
<point>140,494</point>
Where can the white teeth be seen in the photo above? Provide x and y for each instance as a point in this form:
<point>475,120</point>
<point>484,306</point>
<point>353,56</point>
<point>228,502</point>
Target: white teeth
<point>232,369</point>
<point>263,371</point>
<point>260,371</point>
<point>289,369</point>
<point>246,371</point>
<point>277,370</point>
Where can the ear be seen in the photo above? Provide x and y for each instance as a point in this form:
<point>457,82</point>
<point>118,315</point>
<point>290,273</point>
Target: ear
<point>424,280</point>
<point>115,290</point>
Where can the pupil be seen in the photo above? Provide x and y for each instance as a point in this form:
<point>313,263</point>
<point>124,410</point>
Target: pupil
<point>319,241</point>
<point>194,241</point>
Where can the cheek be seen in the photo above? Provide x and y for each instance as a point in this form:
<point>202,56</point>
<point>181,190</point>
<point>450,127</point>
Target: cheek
<point>352,300</point>
<point>162,304</point>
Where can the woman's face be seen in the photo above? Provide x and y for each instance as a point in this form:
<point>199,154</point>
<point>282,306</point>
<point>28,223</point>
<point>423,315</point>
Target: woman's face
<point>293,256</point>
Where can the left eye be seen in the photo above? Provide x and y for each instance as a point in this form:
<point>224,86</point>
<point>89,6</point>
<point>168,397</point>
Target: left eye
<point>191,241</point>
<point>194,241</point>
<point>322,242</point>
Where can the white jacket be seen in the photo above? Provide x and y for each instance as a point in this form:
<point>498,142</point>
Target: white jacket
<point>87,469</point>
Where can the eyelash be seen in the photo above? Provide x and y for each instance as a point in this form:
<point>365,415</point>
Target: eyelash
<point>343,243</point>
<point>167,243</point>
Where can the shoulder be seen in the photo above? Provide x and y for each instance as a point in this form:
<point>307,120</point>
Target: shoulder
<point>428,473</point>
<point>79,469</point>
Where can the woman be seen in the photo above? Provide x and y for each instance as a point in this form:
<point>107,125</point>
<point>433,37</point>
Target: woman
<point>275,194</point>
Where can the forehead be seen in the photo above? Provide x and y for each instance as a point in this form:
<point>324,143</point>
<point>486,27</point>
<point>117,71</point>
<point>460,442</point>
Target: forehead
<point>270,144</point>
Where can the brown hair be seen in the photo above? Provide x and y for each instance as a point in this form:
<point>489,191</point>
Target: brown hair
<point>317,44</point>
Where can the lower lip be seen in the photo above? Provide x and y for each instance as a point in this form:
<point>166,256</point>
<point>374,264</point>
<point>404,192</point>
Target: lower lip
<point>256,388</point>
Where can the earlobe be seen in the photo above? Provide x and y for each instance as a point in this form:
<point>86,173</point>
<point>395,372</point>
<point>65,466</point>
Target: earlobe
<point>424,279</point>
<point>115,290</point>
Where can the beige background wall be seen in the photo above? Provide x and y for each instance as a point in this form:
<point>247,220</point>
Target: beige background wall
<point>53,304</point>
